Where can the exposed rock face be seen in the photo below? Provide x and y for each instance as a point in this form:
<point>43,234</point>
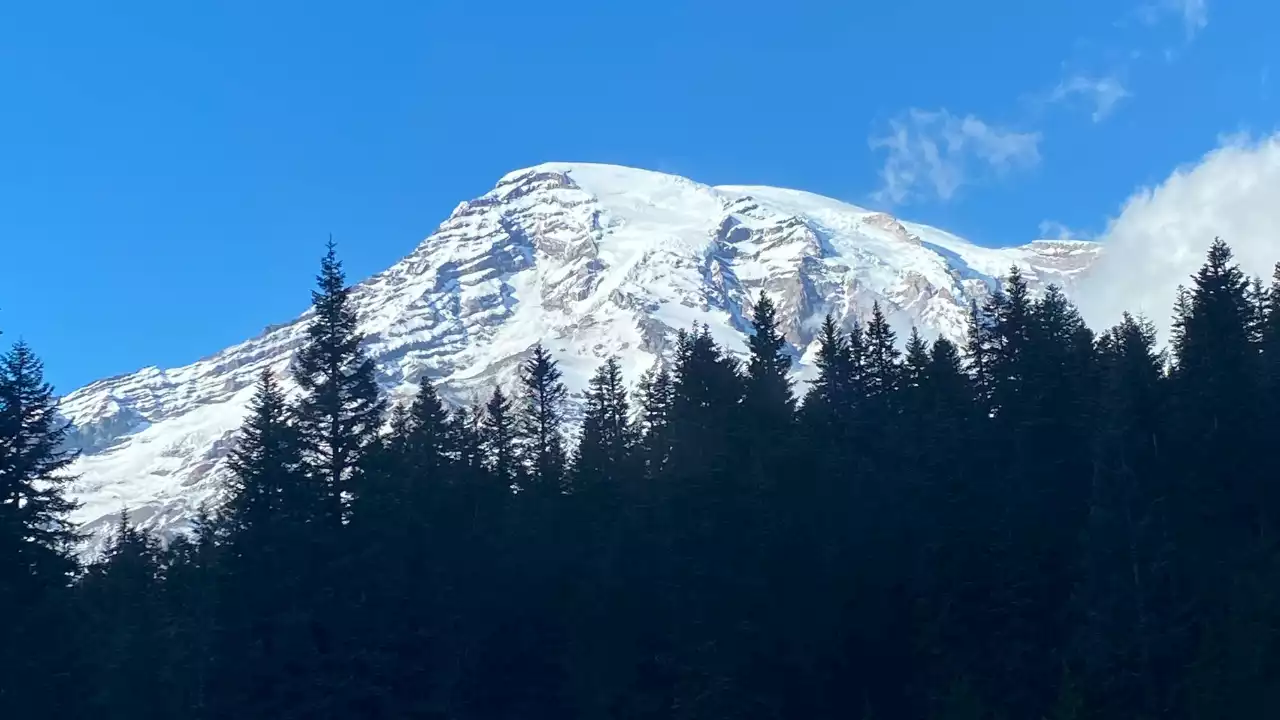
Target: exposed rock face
<point>591,260</point>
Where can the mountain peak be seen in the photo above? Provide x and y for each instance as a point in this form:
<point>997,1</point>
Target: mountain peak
<point>591,260</point>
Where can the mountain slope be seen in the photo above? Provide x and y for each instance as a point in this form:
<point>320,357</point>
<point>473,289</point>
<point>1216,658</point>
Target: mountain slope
<point>592,260</point>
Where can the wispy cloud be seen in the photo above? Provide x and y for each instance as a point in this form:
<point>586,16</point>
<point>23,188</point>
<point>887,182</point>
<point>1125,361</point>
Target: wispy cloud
<point>1193,13</point>
<point>932,154</point>
<point>1054,230</point>
<point>1102,92</point>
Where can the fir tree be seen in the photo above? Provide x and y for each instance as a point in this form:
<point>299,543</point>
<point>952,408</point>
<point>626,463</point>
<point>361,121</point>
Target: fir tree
<point>831,389</point>
<point>915,360</point>
<point>769,366</point>
<point>540,425</point>
<point>768,402</point>
<point>37,636</point>
<point>130,654</point>
<point>608,438</point>
<point>35,532</point>
<point>267,487</point>
<point>881,355</point>
<point>655,395</point>
<point>498,438</point>
<point>340,411</point>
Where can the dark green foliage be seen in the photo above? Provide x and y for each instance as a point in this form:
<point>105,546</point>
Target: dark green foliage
<point>37,632</point>
<point>341,410</point>
<point>127,636</point>
<point>540,425</point>
<point>606,451</point>
<point>34,510</point>
<point>769,366</point>
<point>1046,525</point>
<point>498,438</point>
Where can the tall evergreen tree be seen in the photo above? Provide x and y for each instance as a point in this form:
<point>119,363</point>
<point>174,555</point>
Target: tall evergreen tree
<point>498,438</point>
<point>655,396</point>
<point>340,412</point>
<point>881,355</point>
<point>769,366</point>
<point>831,390</point>
<point>37,635</point>
<point>541,422</point>
<point>606,449</point>
<point>268,488</point>
<point>271,566</point>
<point>33,464</point>
<point>1216,389</point>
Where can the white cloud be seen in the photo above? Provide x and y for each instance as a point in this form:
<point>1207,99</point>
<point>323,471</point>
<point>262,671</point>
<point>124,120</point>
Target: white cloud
<point>1054,230</point>
<point>935,153</point>
<point>1103,92</point>
<point>1161,235</point>
<point>1193,13</point>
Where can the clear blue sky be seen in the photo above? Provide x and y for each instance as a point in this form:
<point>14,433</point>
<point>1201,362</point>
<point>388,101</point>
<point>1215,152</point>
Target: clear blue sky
<point>169,171</point>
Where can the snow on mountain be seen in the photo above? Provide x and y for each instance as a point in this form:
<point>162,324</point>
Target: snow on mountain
<point>591,260</point>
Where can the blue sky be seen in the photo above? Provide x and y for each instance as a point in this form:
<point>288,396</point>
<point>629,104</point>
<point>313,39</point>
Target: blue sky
<point>169,172</point>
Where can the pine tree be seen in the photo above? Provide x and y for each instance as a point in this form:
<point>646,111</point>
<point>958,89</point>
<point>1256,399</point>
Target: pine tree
<point>273,565</point>
<point>33,478</point>
<point>1216,388</point>
<point>769,366</point>
<point>340,412</point>
<point>540,425</point>
<point>37,637</point>
<point>404,521</point>
<point>605,451</point>
<point>498,438</point>
<point>768,402</point>
<point>129,651</point>
<point>831,390</point>
<point>915,365</point>
<point>655,396</point>
<point>1127,597</point>
<point>191,575</point>
<point>425,433</point>
<point>268,488</point>
<point>881,355</point>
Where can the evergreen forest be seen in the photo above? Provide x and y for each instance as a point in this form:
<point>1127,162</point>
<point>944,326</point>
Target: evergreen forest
<point>1046,522</point>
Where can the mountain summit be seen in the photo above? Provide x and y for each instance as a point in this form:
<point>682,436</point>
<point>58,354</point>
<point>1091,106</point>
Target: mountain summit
<point>591,260</point>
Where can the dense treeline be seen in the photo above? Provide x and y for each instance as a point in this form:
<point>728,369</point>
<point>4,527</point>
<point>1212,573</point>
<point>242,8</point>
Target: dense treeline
<point>1045,523</point>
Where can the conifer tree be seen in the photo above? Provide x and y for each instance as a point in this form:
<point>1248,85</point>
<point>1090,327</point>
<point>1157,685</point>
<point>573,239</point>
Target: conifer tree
<point>655,396</point>
<point>340,412</point>
<point>605,451</point>
<point>769,366</point>
<point>1215,394</point>
<point>881,355</point>
<point>915,363</point>
<point>768,402</point>
<point>498,438</point>
<point>1127,596</point>
<point>129,649</point>
<point>37,637</point>
<point>267,488</point>
<point>191,575</point>
<point>34,530</point>
<point>831,389</point>
<point>540,425</point>
<point>270,567</point>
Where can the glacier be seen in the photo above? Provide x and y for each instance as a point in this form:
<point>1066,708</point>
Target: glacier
<point>590,260</point>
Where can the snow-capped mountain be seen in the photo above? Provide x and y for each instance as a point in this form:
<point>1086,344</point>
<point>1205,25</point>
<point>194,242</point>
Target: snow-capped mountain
<point>591,260</point>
